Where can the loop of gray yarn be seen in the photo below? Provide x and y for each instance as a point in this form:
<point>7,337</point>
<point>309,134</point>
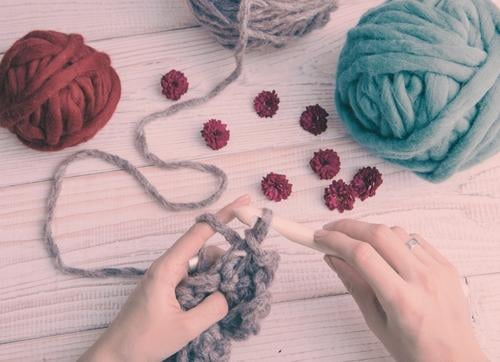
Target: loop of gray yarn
<point>250,18</point>
<point>271,22</point>
<point>244,281</point>
<point>142,146</point>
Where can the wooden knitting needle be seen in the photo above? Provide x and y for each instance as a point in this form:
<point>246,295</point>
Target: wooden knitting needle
<point>291,230</point>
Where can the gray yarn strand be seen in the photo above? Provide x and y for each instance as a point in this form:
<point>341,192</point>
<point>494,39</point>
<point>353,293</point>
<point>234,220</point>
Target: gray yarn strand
<point>272,22</point>
<point>142,146</point>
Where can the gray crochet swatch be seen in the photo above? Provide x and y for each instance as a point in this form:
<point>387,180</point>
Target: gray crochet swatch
<point>244,281</point>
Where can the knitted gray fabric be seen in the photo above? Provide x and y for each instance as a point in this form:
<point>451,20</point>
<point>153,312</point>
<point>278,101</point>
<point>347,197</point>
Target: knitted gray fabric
<point>244,281</point>
<point>243,274</point>
<point>271,22</point>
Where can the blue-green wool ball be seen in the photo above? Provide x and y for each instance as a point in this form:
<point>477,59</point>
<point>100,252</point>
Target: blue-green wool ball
<point>418,84</point>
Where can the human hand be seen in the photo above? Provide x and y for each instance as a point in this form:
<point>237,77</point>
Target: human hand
<point>151,326</point>
<point>411,299</point>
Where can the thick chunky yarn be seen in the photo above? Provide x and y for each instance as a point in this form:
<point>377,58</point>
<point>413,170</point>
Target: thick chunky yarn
<point>243,278</point>
<point>243,274</point>
<point>418,84</point>
<point>55,91</point>
<point>271,22</point>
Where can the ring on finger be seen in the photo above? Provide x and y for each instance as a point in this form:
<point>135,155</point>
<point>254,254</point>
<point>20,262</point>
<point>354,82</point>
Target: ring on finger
<point>412,243</point>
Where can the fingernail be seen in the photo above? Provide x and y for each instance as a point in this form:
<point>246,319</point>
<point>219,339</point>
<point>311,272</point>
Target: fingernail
<point>320,234</point>
<point>242,199</point>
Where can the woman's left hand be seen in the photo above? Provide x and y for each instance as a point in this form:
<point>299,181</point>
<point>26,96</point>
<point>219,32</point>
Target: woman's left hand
<point>152,325</point>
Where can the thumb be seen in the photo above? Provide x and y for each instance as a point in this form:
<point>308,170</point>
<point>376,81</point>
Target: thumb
<point>211,310</point>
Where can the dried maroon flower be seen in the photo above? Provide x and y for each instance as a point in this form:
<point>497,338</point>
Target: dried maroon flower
<point>276,186</point>
<point>325,163</point>
<point>266,103</point>
<point>174,84</point>
<point>314,119</point>
<point>366,182</point>
<point>340,196</point>
<point>215,134</point>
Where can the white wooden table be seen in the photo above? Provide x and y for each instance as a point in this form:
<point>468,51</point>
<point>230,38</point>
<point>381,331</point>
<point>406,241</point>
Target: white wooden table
<point>105,219</point>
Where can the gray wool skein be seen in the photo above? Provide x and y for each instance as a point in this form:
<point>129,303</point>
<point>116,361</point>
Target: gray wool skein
<point>271,22</point>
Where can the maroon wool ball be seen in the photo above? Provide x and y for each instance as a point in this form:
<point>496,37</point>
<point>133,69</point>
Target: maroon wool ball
<point>56,91</point>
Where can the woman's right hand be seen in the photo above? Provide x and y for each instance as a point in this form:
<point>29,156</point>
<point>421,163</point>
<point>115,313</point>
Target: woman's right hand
<point>411,299</point>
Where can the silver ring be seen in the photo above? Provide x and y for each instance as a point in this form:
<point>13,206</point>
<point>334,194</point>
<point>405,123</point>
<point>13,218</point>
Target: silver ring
<point>193,264</point>
<point>412,243</point>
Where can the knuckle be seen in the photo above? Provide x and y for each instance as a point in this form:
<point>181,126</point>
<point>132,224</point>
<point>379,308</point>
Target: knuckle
<point>362,252</point>
<point>428,283</point>
<point>220,306</point>
<point>379,232</point>
<point>341,224</point>
<point>399,230</point>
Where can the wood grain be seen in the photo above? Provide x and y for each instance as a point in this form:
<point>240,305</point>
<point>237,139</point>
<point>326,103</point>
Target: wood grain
<point>301,78</point>
<point>104,218</point>
<point>321,329</point>
<point>95,19</point>
<point>485,291</point>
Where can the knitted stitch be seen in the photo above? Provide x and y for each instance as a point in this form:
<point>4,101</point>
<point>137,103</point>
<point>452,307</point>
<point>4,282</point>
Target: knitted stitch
<point>244,281</point>
<point>418,84</point>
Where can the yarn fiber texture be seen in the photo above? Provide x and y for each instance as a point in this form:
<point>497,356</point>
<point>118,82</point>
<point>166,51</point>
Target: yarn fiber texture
<point>55,91</point>
<point>272,22</point>
<point>418,84</point>
<point>243,279</point>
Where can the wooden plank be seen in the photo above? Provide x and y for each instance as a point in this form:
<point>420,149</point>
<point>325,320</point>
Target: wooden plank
<point>485,290</point>
<point>323,329</point>
<point>105,219</point>
<point>301,78</point>
<point>95,19</point>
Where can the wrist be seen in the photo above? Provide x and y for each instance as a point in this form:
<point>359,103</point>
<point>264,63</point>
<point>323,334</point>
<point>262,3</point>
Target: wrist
<point>112,347</point>
<point>100,351</point>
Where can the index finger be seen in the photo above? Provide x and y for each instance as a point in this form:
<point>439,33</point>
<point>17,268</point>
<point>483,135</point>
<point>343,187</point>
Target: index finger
<point>382,278</point>
<point>190,243</point>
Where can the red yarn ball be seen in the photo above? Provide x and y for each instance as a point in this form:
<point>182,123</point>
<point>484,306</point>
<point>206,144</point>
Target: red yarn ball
<point>55,91</point>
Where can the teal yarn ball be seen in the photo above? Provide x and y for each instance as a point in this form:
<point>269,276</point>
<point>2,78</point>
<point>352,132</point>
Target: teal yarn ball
<point>418,84</point>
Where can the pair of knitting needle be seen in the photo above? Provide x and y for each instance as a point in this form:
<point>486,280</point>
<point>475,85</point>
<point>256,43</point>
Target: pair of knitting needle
<point>291,230</point>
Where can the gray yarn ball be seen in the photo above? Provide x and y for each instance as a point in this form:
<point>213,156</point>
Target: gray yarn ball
<point>270,22</point>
